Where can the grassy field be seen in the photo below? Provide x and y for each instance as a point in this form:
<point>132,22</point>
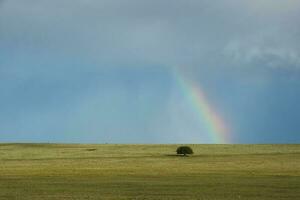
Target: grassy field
<point>57,171</point>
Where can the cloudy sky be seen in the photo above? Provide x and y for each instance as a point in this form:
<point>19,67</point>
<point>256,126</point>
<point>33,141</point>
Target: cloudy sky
<point>102,71</point>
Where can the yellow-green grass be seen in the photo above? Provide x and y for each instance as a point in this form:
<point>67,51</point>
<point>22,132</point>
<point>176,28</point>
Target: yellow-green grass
<point>77,171</point>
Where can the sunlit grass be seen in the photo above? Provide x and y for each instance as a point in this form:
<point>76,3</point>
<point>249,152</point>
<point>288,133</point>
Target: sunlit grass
<point>57,171</point>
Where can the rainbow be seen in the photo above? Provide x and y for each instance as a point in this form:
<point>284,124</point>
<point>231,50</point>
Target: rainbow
<point>215,125</point>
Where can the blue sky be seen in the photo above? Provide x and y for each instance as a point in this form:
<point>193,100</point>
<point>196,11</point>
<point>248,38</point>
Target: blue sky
<point>102,71</point>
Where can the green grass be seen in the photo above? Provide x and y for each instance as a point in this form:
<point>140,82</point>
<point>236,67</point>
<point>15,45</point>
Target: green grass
<point>56,171</point>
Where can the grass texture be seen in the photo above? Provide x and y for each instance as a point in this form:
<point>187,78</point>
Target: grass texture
<point>107,171</point>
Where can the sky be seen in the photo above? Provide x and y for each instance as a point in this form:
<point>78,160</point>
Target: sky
<point>111,71</point>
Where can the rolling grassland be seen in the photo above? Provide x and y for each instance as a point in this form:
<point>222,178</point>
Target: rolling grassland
<point>107,171</point>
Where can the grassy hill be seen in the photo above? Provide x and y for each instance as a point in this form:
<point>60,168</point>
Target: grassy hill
<point>57,171</point>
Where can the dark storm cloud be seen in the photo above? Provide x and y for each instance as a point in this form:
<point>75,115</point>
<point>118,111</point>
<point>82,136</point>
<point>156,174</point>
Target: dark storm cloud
<point>190,33</point>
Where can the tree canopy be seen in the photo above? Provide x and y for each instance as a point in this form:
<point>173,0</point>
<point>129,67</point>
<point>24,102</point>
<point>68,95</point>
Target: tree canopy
<point>184,150</point>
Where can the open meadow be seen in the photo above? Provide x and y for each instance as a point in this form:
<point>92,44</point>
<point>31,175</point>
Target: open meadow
<point>77,171</point>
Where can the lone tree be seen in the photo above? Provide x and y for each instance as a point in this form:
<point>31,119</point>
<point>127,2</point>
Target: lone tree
<point>184,150</point>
